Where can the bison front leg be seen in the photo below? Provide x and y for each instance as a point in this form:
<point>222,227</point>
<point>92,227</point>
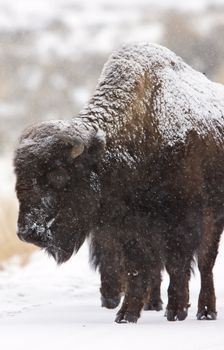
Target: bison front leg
<point>111,268</point>
<point>178,292</point>
<point>134,298</point>
<point>207,253</point>
<point>136,283</point>
<point>207,298</point>
<point>112,278</point>
<point>112,286</point>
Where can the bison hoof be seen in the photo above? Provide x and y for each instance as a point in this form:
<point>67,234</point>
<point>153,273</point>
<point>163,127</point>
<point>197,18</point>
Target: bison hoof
<point>130,318</point>
<point>153,306</point>
<point>179,315</point>
<point>110,303</point>
<point>126,317</point>
<point>182,314</point>
<point>206,315</point>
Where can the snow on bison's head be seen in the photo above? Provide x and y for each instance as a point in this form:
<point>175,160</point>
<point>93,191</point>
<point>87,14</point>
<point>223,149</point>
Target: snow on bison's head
<point>57,188</point>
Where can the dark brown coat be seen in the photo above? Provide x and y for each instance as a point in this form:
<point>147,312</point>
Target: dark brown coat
<point>140,169</point>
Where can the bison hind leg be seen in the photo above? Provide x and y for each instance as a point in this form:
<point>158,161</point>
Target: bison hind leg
<point>153,301</point>
<point>207,253</point>
<point>154,305</point>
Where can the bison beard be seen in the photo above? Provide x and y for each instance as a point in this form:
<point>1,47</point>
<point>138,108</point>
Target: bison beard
<point>140,171</point>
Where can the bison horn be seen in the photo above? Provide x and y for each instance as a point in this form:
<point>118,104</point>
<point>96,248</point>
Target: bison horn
<point>77,149</point>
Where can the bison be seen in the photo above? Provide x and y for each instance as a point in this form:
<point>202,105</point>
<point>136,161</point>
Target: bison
<point>140,172</point>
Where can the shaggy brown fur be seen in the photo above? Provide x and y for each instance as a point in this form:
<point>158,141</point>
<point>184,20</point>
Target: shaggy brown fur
<point>140,170</point>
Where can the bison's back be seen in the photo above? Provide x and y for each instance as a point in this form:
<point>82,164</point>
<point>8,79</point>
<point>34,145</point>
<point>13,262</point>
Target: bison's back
<point>152,88</point>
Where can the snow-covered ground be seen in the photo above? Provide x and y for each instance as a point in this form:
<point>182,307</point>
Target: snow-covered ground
<point>44,306</point>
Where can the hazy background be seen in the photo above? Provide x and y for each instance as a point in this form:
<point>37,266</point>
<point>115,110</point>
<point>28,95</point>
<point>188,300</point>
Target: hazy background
<point>52,53</point>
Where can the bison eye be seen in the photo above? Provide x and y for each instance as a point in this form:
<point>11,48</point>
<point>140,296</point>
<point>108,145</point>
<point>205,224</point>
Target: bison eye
<point>58,178</point>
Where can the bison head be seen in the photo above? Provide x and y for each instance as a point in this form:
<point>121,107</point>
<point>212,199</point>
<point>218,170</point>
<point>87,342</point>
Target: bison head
<point>57,185</point>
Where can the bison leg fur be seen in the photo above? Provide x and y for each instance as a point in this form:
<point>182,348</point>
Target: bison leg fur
<point>112,284</point>
<point>136,283</point>
<point>110,264</point>
<point>178,293</point>
<point>133,301</point>
<point>111,288</point>
<point>207,253</point>
<point>154,301</point>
